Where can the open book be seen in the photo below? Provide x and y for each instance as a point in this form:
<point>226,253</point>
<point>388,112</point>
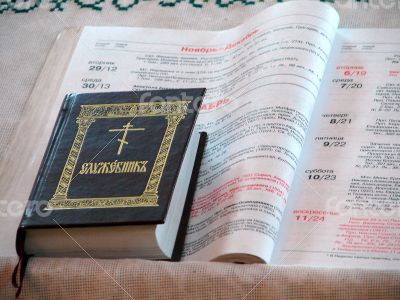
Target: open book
<point>302,160</point>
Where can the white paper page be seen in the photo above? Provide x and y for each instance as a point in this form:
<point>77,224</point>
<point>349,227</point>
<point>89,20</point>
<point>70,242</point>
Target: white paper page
<point>345,203</point>
<point>261,78</point>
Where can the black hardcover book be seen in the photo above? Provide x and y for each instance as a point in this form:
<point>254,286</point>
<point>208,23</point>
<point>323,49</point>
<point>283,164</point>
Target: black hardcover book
<point>117,178</point>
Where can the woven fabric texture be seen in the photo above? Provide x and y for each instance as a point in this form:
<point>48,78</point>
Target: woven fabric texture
<point>140,279</point>
<point>25,39</point>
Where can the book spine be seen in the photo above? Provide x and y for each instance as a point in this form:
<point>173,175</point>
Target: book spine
<point>48,156</point>
<point>20,268</point>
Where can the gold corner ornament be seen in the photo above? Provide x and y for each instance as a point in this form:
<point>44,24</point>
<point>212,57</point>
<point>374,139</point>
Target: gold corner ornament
<point>174,112</point>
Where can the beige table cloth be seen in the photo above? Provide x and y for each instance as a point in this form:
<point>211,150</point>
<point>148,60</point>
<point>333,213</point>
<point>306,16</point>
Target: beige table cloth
<point>27,31</point>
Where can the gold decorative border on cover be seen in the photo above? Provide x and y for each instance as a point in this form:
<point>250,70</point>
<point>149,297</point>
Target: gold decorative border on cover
<point>174,112</point>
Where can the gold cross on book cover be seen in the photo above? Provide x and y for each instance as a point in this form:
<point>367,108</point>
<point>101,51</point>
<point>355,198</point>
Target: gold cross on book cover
<point>127,127</point>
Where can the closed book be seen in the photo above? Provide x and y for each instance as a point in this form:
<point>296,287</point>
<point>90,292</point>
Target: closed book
<point>117,178</point>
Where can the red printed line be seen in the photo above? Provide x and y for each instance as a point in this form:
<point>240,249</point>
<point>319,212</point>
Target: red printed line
<point>249,182</point>
<point>226,47</point>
